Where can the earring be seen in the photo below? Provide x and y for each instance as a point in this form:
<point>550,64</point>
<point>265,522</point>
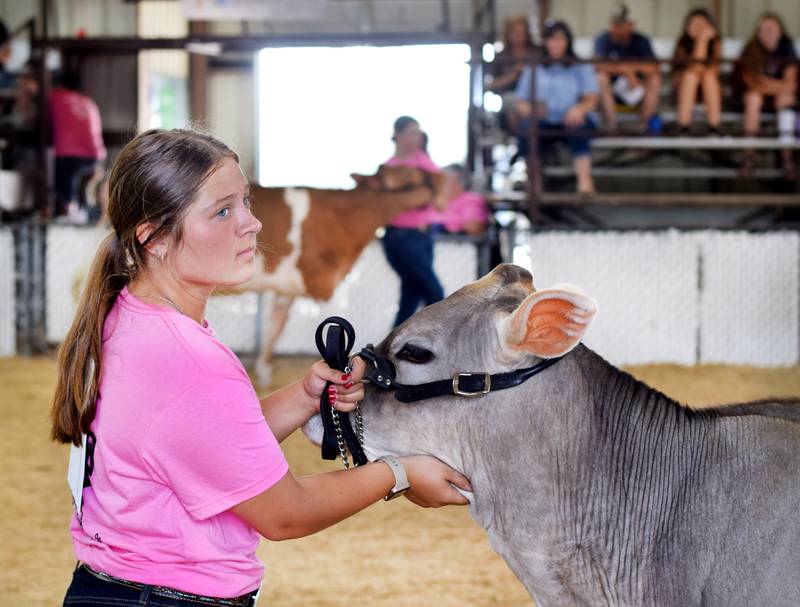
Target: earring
<point>161,253</point>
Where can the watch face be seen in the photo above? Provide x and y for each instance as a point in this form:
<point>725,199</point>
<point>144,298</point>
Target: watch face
<point>394,494</point>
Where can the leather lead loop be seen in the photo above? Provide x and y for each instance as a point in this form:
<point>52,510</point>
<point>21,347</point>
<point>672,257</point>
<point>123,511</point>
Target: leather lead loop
<point>334,346</point>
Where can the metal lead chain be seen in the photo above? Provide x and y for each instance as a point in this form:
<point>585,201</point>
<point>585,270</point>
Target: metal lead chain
<point>337,425</point>
<point>359,426</point>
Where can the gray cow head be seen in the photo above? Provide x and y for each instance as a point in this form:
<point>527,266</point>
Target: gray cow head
<point>496,324</point>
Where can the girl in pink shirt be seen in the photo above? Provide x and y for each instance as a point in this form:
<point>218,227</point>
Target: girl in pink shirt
<point>186,468</point>
<point>408,241</point>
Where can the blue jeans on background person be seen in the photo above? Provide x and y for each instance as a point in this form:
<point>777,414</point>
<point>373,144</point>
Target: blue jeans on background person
<point>578,144</point>
<point>87,590</point>
<point>410,253</point>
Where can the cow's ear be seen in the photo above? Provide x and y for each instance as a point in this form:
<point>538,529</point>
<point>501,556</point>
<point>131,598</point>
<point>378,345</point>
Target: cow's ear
<point>366,181</point>
<point>550,322</point>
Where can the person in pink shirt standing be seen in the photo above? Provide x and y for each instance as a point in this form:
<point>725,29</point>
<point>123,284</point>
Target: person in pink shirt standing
<point>408,240</point>
<point>184,467</point>
<point>77,142</point>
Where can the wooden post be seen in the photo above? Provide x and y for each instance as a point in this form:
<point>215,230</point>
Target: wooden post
<point>198,76</point>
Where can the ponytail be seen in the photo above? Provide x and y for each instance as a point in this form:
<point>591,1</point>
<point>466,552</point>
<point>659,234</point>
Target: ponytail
<point>79,368</point>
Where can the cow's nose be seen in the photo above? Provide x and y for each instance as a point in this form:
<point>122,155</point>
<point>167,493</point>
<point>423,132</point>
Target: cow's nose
<point>510,274</point>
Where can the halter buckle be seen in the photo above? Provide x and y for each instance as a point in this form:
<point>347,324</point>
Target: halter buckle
<point>487,384</point>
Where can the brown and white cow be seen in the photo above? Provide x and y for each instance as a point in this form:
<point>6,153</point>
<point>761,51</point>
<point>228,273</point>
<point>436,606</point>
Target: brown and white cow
<point>312,237</point>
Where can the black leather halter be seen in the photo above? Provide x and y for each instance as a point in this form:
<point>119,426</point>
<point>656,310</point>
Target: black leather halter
<point>335,349</point>
<point>382,374</point>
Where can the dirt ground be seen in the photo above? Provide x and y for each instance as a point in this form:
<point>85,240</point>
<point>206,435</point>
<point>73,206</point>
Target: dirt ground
<point>391,554</point>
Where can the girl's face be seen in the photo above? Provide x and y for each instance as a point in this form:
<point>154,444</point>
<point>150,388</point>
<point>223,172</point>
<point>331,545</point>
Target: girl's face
<point>409,140</point>
<point>556,45</point>
<point>219,232</point>
<point>769,34</point>
<point>696,26</point>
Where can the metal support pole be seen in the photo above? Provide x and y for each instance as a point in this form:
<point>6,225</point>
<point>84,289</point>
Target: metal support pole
<point>475,108</point>
<point>534,157</point>
<point>30,286</point>
<point>446,25</point>
<point>43,200</point>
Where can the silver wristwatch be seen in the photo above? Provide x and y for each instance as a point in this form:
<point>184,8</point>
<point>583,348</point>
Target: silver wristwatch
<point>401,484</point>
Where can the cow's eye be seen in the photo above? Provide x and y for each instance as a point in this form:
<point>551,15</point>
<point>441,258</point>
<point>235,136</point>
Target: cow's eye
<point>414,354</point>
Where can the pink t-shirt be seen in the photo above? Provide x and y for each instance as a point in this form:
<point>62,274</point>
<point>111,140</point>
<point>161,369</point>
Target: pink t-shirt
<point>180,440</point>
<point>415,218</point>
<point>77,127</point>
<point>467,206</point>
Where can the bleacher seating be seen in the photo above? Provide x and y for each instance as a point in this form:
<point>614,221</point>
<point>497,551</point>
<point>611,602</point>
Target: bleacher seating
<point>681,171</point>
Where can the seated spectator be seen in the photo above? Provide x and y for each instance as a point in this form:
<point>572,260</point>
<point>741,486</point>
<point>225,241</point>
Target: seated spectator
<point>466,211</point>
<point>766,76</point>
<point>78,143</point>
<point>507,66</point>
<point>625,82</point>
<point>6,80</point>
<point>696,72</point>
<point>567,93</point>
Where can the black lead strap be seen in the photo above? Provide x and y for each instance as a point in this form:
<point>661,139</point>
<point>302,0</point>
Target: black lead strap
<point>334,345</point>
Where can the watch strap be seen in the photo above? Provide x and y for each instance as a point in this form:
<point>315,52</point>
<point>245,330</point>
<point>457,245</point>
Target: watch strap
<point>401,484</point>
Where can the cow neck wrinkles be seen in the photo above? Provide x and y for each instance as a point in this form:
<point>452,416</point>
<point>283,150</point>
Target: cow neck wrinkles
<point>634,484</point>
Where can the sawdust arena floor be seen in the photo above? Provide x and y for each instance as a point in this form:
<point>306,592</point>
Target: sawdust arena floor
<point>391,554</point>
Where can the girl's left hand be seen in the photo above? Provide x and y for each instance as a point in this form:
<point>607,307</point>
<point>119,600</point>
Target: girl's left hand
<point>346,390</point>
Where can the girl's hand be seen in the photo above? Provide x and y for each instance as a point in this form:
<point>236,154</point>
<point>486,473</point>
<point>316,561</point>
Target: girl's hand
<point>574,117</point>
<point>346,391</point>
<point>432,482</point>
<point>708,32</point>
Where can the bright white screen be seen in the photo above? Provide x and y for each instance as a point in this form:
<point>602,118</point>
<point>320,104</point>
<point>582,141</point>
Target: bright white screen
<point>327,112</point>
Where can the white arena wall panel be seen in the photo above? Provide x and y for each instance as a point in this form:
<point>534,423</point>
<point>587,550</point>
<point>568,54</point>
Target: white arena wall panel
<point>645,284</point>
<point>665,297</point>
<point>8,333</point>
<point>69,255</point>
<point>369,296</point>
<point>750,298</point>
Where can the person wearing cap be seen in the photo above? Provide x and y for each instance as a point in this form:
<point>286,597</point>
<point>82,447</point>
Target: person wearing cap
<point>566,96</point>
<point>630,78</point>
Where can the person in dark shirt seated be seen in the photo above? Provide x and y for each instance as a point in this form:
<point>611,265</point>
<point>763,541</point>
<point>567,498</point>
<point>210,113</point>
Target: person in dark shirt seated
<point>505,70</point>
<point>695,71</point>
<point>766,76</point>
<point>628,83</point>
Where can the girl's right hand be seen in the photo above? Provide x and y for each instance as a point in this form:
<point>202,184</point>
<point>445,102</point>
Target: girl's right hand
<point>432,482</point>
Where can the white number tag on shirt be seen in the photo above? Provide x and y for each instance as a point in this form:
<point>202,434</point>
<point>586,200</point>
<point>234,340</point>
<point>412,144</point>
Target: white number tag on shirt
<point>76,472</point>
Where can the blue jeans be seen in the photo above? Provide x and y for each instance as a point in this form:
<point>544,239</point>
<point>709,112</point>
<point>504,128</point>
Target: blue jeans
<point>410,253</point>
<point>87,590</point>
<point>578,144</point>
